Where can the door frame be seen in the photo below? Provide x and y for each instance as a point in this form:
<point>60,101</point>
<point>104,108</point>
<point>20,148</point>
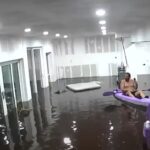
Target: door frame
<point>48,63</point>
<point>32,49</point>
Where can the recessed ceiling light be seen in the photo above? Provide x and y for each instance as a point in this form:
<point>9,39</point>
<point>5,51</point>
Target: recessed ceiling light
<point>102,22</point>
<point>100,12</point>
<point>65,36</point>
<point>45,33</point>
<point>27,30</point>
<point>103,28</point>
<point>57,35</point>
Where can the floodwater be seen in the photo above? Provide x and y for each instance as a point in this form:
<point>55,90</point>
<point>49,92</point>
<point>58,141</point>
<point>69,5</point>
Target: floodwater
<point>89,121</point>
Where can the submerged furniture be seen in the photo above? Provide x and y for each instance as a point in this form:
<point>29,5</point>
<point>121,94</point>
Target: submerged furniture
<point>84,86</point>
<point>133,100</point>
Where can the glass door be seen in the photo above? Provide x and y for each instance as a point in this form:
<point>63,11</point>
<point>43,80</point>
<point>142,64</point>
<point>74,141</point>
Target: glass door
<point>4,140</point>
<point>17,90</point>
<point>11,104</point>
<point>12,101</point>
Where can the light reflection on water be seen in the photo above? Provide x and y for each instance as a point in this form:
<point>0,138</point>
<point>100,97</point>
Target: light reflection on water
<point>74,126</point>
<point>68,142</point>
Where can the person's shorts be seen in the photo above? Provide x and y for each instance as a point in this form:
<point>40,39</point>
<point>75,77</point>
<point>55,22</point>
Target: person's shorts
<point>134,93</point>
<point>125,93</point>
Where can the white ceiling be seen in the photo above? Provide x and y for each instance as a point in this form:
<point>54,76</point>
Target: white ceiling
<point>73,17</point>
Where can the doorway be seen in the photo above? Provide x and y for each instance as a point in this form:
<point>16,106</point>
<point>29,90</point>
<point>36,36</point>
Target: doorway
<point>34,64</point>
<point>38,80</point>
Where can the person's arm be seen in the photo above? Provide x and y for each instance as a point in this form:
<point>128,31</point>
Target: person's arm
<point>122,85</point>
<point>135,84</point>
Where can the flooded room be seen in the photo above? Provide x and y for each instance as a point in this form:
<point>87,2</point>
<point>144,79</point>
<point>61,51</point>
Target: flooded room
<point>75,75</point>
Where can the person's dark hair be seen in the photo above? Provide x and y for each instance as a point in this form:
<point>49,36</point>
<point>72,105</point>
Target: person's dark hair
<point>128,74</point>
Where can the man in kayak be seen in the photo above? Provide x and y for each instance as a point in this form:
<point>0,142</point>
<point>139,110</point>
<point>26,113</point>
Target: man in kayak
<point>129,87</point>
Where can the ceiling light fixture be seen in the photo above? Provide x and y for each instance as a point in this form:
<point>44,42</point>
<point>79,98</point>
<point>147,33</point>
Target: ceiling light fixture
<point>65,36</point>
<point>102,22</point>
<point>27,30</point>
<point>45,33</point>
<point>100,12</point>
<point>57,35</point>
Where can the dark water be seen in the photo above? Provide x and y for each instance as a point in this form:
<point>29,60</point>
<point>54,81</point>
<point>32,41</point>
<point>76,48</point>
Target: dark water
<point>89,121</point>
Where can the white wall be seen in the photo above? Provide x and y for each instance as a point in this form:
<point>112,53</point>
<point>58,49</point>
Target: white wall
<point>138,53</point>
<point>101,61</point>
<point>12,48</point>
<point>142,34</point>
<point>106,60</point>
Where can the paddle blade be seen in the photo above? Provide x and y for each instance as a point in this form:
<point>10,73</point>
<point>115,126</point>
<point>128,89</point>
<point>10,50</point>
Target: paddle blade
<point>108,93</point>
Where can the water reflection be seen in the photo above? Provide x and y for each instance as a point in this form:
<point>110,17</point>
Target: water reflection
<point>110,135</point>
<point>3,135</point>
<point>74,126</point>
<point>68,143</point>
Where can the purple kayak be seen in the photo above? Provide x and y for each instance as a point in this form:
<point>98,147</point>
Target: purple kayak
<point>133,100</point>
